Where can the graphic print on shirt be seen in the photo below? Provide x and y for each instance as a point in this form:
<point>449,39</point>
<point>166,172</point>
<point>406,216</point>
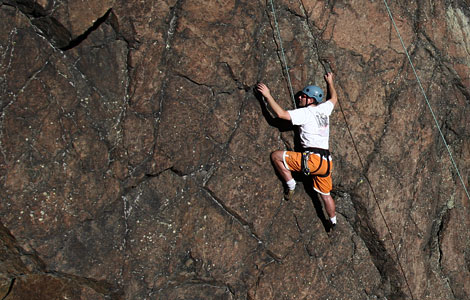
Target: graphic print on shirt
<point>322,121</point>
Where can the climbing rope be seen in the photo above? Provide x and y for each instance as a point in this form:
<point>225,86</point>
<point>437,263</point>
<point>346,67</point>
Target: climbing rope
<point>284,60</point>
<point>328,69</point>
<point>427,101</point>
<point>355,146</point>
<point>374,195</point>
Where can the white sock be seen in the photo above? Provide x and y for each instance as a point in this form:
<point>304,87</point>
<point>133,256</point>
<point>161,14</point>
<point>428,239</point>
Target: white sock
<point>291,184</point>
<point>333,220</point>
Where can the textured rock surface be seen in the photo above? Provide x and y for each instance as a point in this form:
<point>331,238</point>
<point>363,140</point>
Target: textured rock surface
<point>135,156</point>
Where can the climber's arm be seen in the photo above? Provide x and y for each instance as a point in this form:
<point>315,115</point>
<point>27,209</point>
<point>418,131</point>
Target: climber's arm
<point>331,88</point>
<point>278,110</point>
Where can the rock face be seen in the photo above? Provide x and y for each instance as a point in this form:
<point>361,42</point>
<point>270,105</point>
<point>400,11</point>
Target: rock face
<point>135,155</point>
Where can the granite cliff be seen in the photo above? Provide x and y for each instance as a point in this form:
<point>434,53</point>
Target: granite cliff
<point>135,154</point>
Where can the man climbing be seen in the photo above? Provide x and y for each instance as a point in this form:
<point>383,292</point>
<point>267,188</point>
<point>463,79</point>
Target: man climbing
<point>312,117</point>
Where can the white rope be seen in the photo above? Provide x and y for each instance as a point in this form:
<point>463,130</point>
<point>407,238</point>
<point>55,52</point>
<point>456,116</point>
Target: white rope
<point>282,54</point>
<point>427,101</point>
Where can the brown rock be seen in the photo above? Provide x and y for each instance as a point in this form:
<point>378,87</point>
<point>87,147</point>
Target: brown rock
<point>134,155</point>
<point>67,22</point>
<point>50,287</point>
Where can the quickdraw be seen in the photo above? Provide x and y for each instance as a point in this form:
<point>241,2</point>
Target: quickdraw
<point>323,154</point>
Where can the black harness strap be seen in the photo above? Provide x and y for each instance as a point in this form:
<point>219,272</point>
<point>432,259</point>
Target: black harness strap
<point>324,153</point>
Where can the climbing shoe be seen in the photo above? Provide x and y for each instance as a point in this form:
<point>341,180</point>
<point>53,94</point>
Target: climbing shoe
<point>331,227</point>
<point>288,194</point>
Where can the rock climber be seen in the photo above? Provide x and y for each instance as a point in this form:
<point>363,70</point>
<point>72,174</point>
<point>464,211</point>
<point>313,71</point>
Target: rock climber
<point>312,117</point>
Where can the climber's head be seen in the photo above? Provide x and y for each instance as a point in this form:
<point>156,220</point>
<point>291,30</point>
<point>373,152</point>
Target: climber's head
<point>303,100</point>
<point>315,92</point>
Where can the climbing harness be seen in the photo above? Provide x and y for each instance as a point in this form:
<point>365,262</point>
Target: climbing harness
<point>324,155</point>
<point>282,54</point>
<point>427,101</point>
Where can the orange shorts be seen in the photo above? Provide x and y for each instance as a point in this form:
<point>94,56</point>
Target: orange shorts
<point>293,162</point>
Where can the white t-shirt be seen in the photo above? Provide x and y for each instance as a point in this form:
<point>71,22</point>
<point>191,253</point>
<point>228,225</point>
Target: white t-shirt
<point>314,123</point>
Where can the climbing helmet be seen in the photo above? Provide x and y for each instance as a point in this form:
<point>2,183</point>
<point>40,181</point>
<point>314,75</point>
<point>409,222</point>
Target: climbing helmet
<point>315,92</point>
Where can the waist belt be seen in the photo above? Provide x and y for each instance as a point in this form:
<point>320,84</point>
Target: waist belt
<point>324,153</point>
